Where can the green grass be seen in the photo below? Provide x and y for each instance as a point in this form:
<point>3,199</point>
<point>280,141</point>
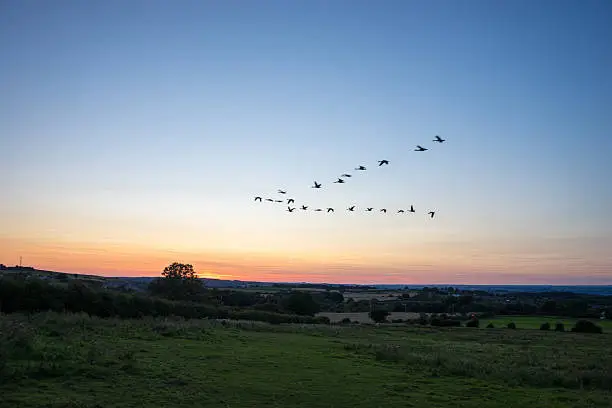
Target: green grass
<point>53,360</point>
<point>534,322</point>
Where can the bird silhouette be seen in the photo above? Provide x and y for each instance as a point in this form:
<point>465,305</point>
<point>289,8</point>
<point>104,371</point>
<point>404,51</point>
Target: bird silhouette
<point>431,213</point>
<point>411,209</point>
<point>438,139</point>
<point>319,209</point>
<point>316,185</point>
<point>291,200</point>
<point>400,211</point>
<point>360,168</point>
<point>269,199</point>
<point>369,209</point>
<point>304,207</point>
<point>278,201</point>
<point>339,181</point>
<point>290,209</point>
<point>420,149</point>
<point>351,208</point>
<point>258,198</point>
<point>346,175</point>
<point>383,210</point>
<point>329,209</point>
<point>282,192</point>
<point>381,162</point>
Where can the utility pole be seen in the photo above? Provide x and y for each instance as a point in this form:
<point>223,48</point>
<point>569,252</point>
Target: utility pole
<point>19,261</point>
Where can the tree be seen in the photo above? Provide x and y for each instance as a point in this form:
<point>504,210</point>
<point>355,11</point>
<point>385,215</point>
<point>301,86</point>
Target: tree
<point>474,322</point>
<point>549,307</point>
<point>585,326</point>
<point>545,326</point>
<point>379,315</point>
<point>301,303</point>
<point>178,282</point>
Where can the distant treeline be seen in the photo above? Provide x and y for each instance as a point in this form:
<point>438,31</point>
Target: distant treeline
<point>551,304</point>
<point>31,295</point>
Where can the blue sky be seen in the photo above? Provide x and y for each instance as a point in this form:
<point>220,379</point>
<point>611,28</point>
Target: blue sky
<point>151,124</point>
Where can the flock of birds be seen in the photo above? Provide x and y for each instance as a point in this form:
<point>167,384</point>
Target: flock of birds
<point>342,180</point>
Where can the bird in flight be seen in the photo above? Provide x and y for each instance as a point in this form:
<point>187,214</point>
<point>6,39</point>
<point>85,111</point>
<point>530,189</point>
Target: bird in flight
<point>438,139</point>
<point>319,209</point>
<point>330,209</point>
<point>258,198</point>
<point>346,175</point>
<point>431,213</point>
<point>269,199</point>
<point>278,201</point>
<point>316,185</point>
<point>369,209</point>
<point>411,209</point>
<point>339,181</point>
<point>383,210</point>
<point>290,209</point>
<point>360,168</point>
<point>282,192</point>
<point>381,162</point>
<point>351,208</point>
<point>400,211</point>
<point>291,200</point>
<point>420,149</point>
<point>304,207</point>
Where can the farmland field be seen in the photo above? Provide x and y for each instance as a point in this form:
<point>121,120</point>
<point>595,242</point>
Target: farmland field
<point>54,360</point>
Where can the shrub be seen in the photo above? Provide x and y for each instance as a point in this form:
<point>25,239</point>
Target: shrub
<point>473,323</point>
<point>512,325</point>
<point>379,316</point>
<point>346,320</point>
<point>585,326</point>
<point>545,326</point>
<point>560,327</point>
<point>397,321</point>
<point>490,325</point>
<point>445,322</point>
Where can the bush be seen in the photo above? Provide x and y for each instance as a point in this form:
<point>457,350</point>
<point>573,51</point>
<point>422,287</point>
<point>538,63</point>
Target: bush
<point>490,325</point>
<point>346,320</point>
<point>560,327</point>
<point>397,321</point>
<point>445,322</point>
<point>473,323</point>
<point>545,326</point>
<point>512,326</point>
<point>379,316</point>
<point>585,326</point>
<point>34,295</point>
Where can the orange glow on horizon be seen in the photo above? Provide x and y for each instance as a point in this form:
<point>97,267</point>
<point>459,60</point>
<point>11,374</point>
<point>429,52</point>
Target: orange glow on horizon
<point>462,266</point>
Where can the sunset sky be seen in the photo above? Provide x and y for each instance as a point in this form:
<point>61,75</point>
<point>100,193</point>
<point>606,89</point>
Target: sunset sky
<point>136,133</point>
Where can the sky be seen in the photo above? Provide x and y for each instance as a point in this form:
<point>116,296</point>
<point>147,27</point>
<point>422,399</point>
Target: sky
<point>134,134</point>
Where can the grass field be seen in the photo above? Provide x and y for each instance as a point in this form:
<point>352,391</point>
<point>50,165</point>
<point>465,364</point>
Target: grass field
<point>53,360</point>
<point>534,322</point>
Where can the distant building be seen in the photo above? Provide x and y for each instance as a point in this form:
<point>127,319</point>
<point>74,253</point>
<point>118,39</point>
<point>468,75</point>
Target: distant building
<point>2,267</point>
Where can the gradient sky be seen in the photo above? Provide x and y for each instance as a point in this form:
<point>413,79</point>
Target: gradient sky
<point>135,133</point>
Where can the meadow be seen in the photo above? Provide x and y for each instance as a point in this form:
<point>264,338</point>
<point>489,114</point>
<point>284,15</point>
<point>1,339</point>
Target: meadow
<point>73,360</point>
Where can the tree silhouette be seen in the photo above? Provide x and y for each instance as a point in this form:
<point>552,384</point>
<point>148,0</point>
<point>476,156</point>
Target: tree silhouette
<point>178,282</point>
<point>301,303</point>
<point>379,316</point>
